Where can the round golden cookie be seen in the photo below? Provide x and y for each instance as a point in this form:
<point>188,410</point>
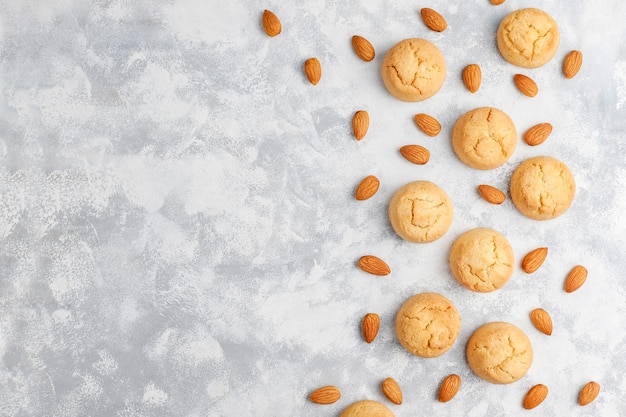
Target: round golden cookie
<point>484,138</point>
<point>499,352</point>
<point>413,70</point>
<point>367,408</point>
<point>427,324</point>
<point>542,188</point>
<point>528,38</point>
<point>420,212</point>
<point>482,260</point>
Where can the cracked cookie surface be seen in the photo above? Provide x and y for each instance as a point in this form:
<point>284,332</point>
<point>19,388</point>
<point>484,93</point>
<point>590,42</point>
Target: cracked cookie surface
<point>499,352</point>
<point>427,324</point>
<point>482,260</point>
<point>413,70</point>
<point>528,38</point>
<point>542,188</point>
<point>420,212</point>
<point>367,408</point>
<point>484,138</point>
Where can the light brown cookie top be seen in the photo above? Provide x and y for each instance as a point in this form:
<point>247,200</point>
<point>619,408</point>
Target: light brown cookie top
<point>542,188</point>
<point>484,138</point>
<point>367,408</point>
<point>413,70</point>
<point>427,324</point>
<point>420,212</point>
<point>528,38</point>
<point>499,352</point>
<point>482,260</point>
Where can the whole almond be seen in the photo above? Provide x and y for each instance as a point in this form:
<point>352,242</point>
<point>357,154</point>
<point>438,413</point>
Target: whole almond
<point>534,259</point>
<point>433,20</point>
<point>541,320</point>
<point>271,23</point>
<point>491,194</point>
<point>313,70</point>
<point>374,265</point>
<point>427,124</point>
<point>535,396</point>
<point>325,395</point>
<point>392,391</point>
<point>538,134</point>
<point>360,124</point>
<point>449,387</point>
<point>367,188</point>
<point>369,326</point>
<point>576,278</point>
<point>496,2</point>
<point>588,393</point>
<point>572,63</point>
<point>416,154</point>
<point>363,48</point>
<point>526,85</point>
<point>472,77</point>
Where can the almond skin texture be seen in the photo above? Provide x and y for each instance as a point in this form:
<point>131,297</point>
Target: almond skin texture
<point>541,320</point>
<point>526,85</point>
<point>538,134</point>
<point>325,395</point>
<point>534,259</point>
<point>576,278</point>
<point>535,396</point>
<point>313,70</point>
<point>367,188</point>
<point>588,393</point>
<point>392,391</point>
<point>491,194</point>
<point>363,48</point>
<point>360,124</point>
<point>472,77</point>
<point>370,326</point>
<point>449,387</point>
<point>572,63</point>
<point>374,265</point>
<point>433,20</point>
<point>427,124</point>
<point>416,154</point>
<point>271,24</point>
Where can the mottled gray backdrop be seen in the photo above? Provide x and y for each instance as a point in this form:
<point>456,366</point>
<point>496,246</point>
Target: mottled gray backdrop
<point>178,235</point>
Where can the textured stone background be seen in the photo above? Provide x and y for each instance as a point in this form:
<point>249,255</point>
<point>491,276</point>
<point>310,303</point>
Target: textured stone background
<point>178,235</point>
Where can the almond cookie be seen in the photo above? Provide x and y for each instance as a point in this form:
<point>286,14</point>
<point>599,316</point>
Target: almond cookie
<point>482,260</point>
<point>528,38</point>
<point>499,352</point>
<point>542,188</point>
<point>420,212</point>
<point>413,70</point>
<point>427,324</point>
<point>367,408</point>
<point>484,138</point>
